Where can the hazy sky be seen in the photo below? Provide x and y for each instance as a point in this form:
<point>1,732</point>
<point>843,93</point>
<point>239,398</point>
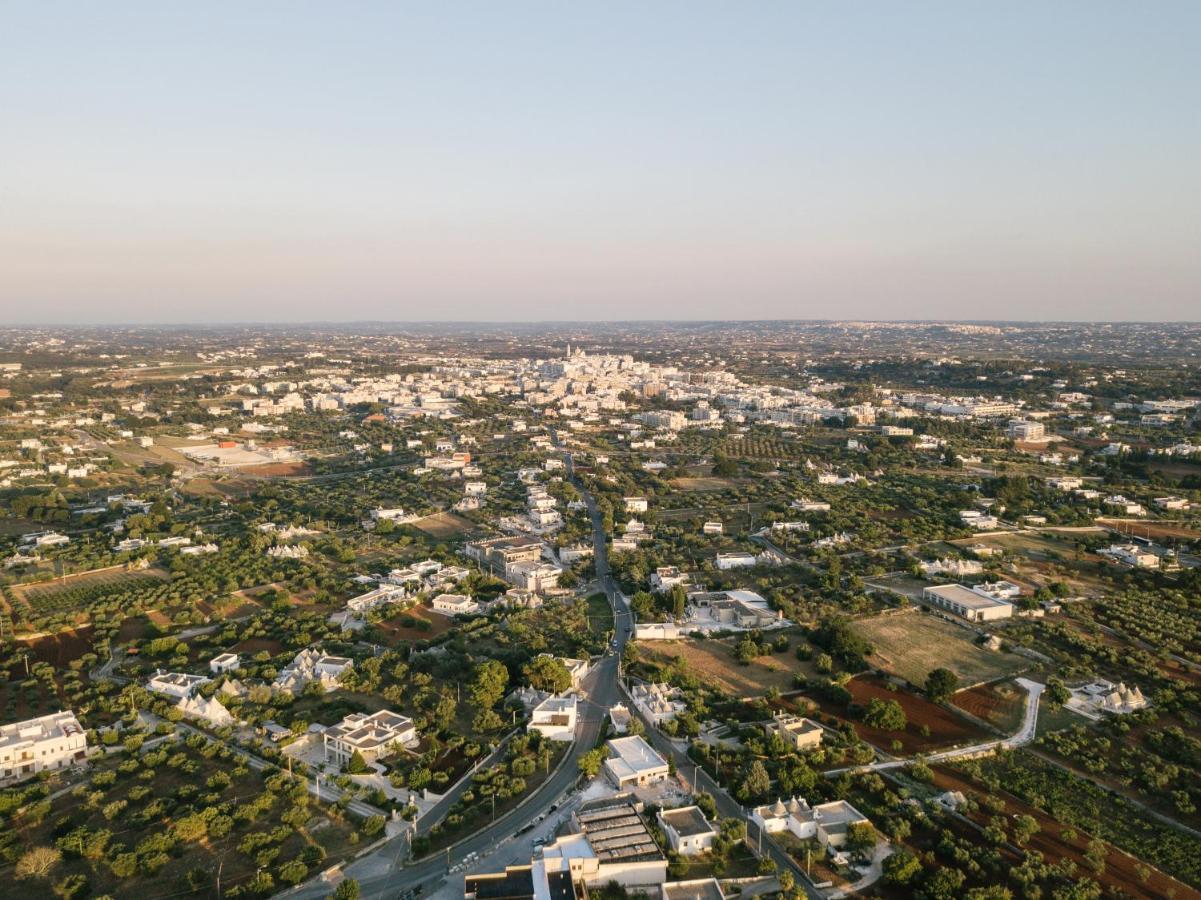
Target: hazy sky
<point>291,161</point>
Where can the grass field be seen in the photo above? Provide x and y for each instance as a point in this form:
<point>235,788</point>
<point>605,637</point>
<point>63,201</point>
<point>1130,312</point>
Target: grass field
<point>713,661</point>
<point>910,645</point>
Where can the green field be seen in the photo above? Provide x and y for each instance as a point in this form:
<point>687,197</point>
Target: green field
<point>912,644</point>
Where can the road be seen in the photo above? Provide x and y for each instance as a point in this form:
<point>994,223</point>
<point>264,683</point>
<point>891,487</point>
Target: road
<point>380,873</point>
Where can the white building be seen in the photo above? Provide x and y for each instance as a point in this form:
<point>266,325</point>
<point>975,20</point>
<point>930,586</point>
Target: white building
<point>968,603</point>
<point>634,762</point>
<point>224,662</point>
<point>210,710</point>
<point>712,528</point>
<point>636,504</point>
<point>175,684</point>
<point>828,823</point>
<point>46,743</point>
<point>687,830</point>
<point>657,702</point>
<point>726,561</point>
<point>1131,555</point>
<point>373,737</point>
<point>798,732</point>
<point>667,577</point>
<point>1022,430</point>
<point>555,718</point>
<point>312,665</point>
<point>455,605</point>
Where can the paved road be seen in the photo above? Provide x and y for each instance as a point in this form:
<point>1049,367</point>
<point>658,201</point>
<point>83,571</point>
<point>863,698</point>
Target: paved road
<point>381,875</point>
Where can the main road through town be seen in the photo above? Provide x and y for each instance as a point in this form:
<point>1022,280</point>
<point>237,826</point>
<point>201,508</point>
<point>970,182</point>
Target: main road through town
<point>381,873</point>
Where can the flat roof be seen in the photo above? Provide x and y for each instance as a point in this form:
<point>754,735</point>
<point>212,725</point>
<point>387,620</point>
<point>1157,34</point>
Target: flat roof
<point>701,889</point>
<point>686,821</point>
<point>633,757</point>
<point>965,597</point>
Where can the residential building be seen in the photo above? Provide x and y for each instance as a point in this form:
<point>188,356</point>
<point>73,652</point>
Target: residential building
<point>455,605</point>
<point>555,718</point>
<point>726,561</point>
<point>687,830</point>
<point>175,684</point>
<point>667,577</point>
<point>712,528</point>
<point>1132,555</point>
<point>312,665</point>
<point>828,822</point>
<point>657,702</point>
<point>798,732</point>
<point>47,743</point>
<point>224,662</point>
<point>1022,430</point>
<point>208,709</point>
<point>373,737</point>
<point>578,669</point>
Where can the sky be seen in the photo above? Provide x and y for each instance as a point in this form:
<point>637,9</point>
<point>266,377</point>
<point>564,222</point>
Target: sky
<point>524,161</point>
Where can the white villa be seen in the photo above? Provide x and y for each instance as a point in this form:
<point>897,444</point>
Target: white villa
<point>827,823</point>
<point>175,684</point>
<point>42,744</point>
<point>454,605</point>
<point>555,718</point>
<point>373,737</point>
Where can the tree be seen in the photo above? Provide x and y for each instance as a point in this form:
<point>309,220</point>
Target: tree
<point>293,872</point>
<point>488,686</point>
<point>901,867</point>
<point>746,650</point>
<point>860,836</point>
<point>356,765</point>
<point>37,862</point>
<point>679,598</point>
<point>757,782</point>
<point>1057,693</point>
<point>885,714</point>
<point>941,684</point>
<point>373,825</point>
<point>547,674</point>
<point>1024,828</point>
<point>590,763</point>
<point>348,889</point>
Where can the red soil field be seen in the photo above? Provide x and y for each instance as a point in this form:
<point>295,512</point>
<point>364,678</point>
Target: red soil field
<point>1002,706</point>
<point>946,728</point>
<point>60,649</point>
<point>1119,872</point>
